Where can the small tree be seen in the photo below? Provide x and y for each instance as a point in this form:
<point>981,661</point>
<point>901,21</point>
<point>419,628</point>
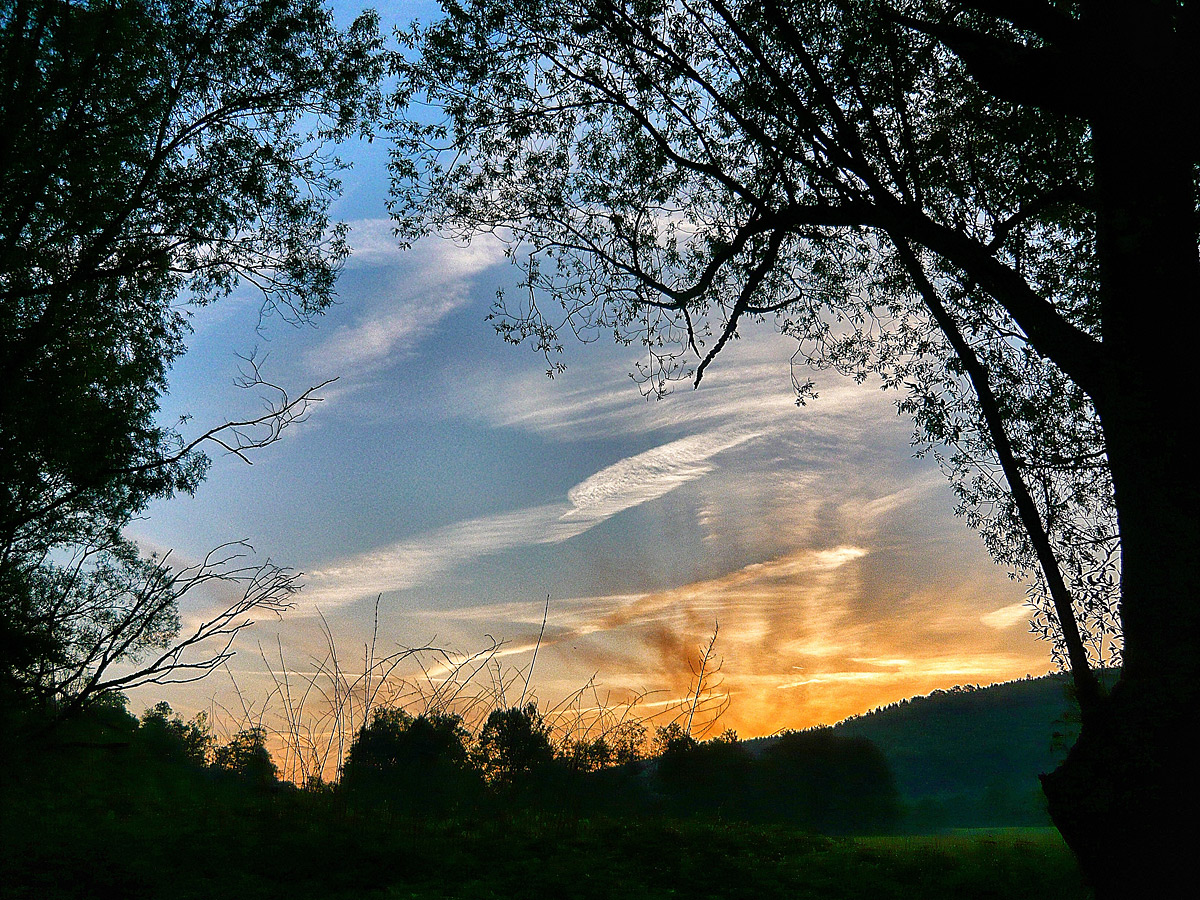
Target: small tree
<point>702,778</point>
<point>415,764</point>
<point>167,736</point>
<point>246,756</point>
<point>583,755</point>
<point>514,747</point>
<point>823,781</point>
<point>628,742</point>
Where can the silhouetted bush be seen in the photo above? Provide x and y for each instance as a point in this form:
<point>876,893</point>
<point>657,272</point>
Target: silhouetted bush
<point>165,735</point>
<point>826,782</point>
<point>514,751</point>
<point>247,757</point>
<point>106,720</point>
<point>703,779</point>
<point>604,774</point>
<point>410,764</point>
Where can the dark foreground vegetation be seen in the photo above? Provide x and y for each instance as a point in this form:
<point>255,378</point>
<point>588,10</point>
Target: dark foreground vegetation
<point>117,807</point>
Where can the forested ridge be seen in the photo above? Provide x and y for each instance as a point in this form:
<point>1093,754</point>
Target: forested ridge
<point>970,756</point>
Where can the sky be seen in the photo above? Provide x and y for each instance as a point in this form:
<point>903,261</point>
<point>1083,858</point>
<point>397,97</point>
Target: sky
<point>445,477</point>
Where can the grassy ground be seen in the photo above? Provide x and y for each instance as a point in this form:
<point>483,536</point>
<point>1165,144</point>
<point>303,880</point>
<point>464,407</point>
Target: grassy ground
<point>93,831</point>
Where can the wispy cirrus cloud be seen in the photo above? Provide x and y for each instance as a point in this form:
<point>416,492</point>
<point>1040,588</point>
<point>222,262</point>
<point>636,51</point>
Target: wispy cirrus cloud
<point>628,483</point>
<point>420,560</point>
<point>1007,616</point>
<point>408,295</point>
<point>752,389</point>
<point>649,475</point>
<point>800,637</point>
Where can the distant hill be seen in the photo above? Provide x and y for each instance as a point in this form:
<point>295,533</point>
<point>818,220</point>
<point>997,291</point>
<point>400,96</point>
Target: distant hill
<point>970,756</point>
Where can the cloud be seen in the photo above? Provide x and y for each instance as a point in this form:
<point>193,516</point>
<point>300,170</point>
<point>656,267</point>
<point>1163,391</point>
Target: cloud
<point>373,241</point>
<point>648,476</point>
<point>801,638</point>
<point>408,297</point>
<point>1007,616</point>
<point>751,388</point>
<point>621,486</point>
<point>409,563</point>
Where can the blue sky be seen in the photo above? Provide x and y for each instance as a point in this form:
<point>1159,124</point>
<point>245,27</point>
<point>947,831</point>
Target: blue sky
<point>446,473</point>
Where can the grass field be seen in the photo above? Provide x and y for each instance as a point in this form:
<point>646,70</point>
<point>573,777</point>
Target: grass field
<point>95,832</point>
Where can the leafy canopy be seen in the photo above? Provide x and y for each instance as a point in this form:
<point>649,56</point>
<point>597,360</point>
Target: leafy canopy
<point>154,156</point>
<point>668,172</point>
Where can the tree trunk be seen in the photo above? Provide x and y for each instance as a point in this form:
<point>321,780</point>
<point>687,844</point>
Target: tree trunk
<point>1133,776</point>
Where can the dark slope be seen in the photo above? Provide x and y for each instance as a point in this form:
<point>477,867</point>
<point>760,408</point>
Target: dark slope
<point>970,756</point>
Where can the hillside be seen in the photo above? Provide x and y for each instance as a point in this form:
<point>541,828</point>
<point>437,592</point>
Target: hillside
<point>970,756</point>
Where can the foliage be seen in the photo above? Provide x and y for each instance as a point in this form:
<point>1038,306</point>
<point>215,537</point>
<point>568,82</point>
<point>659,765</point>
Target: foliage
<point>832,783</point>
<point>154,156</point>
<point>246,756</point>
<point>709,778</point>
<point>514,749</point>
<point>168,736</point>
<point>129,829</point>
<point>413,764</point>
<point>671,172</point>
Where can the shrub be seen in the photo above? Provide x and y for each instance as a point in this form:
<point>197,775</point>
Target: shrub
<point>514,747</point>
<point>412,764</point>
<point>165,735</point>
<point>826,782</point>
<point>247,757</point>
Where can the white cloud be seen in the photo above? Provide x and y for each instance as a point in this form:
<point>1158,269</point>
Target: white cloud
<point>419,560</point>
<point>373,241</point>
<point>414,291</point>
<point>1006,616</point>
<point>648,476</point>
<point>621,486</point>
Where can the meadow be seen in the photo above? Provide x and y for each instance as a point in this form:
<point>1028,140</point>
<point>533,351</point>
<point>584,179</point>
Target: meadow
<point>88,821</point>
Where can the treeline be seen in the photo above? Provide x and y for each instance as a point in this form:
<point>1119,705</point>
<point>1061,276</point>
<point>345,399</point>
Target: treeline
<point>430,766</point>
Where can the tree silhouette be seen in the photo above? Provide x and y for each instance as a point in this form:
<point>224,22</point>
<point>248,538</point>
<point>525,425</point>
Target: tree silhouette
<point>413,764</point>
<point>246,756</point>
<point>990,205</point>
<point>709,778</point>
<point>827,782</point>
<point>153,158</point>
<point>514,750</point>
<point>165,735</point>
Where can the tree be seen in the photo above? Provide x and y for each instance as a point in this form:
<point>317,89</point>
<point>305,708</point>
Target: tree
<point>827,782</point>
<point>514,749</point>
<point>991,204</point>
<point>247,757</point>
<point>419,764</point>
<point>168,737</point>
<point>700,778</point>
<point>112,623</point>
<point>154,155</point>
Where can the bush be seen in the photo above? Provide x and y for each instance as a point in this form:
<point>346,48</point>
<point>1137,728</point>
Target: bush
<point>247,757</point>
<point>826,782</point>
<point>165,735</point>
<point>703,779</point>
<point>514,749</point>
<point>411,764</point>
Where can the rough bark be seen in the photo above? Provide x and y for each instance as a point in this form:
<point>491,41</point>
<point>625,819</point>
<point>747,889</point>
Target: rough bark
<point>1132,778</point>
